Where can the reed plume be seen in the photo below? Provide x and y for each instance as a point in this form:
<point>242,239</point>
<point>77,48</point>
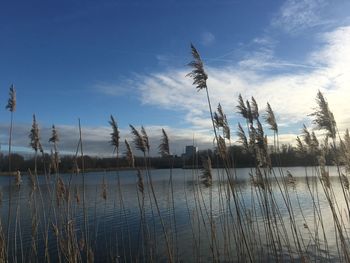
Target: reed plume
<point>323,117</point>
<point>138,139</point>
<point>11,103</point>
<point>115,135</point>
<point>300,147</point>
<point>55,160</point>
<point>35,141</point>
<point>198,74</point>
<point>242,109</point>
<point>164,148</point>
<point>255,109</point>
<point>129,155</point>
<point>220,121</point>
<point>242,138</point>
<point>270,118</point>
<point>54,135</point>
<point>306,136</point>
<point>34,135</point>
<point>249,112</point>
<point>207,171</point>
<point>145,138</point>
<point>11,106</point>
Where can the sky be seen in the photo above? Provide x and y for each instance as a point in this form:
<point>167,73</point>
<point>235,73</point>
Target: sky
<point>90,59</point>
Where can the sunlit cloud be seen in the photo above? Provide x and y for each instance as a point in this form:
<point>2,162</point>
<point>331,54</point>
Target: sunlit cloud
<point>292,95</point>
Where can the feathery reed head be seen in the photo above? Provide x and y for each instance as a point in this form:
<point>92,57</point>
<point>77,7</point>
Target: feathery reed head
<point>270,118</point>
<point>221,147</point>
<point>54,135</point>
<point>11,104</point>
<point>242,138</point>
<point>198,74</point>
<point>138,139</point>
<point>145,138</point>
<point>207,171</point>
<point>164,149</point>
<point>34,136</point>
<point>129,155</point>
<point>323,117</point>
<point>220,121</point>
<point>255,109</point>
<point>249,112</point>
<point>115,134</point>
<point>300,147</point>
<point>242,109</point>
<point>306,136</point>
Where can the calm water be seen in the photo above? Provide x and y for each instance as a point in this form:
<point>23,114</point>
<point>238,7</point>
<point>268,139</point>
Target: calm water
<point>116,227</point>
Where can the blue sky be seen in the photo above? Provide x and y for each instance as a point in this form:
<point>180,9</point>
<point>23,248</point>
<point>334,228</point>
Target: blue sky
<point>90,59</point>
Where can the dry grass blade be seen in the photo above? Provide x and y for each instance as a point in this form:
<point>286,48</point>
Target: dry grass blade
<point>164,148</point>
<point>138,139</point>
<point>115,134</point>
<point>325,178</point>
<point>129,155</point>
<point>198,74</point>
<point>270,118</point>
<point>11,104</point>
<point>345,181</point>
<point>324,118</point>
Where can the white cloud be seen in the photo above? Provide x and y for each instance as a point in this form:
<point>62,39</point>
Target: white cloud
<point>292,95</point>
<point>297,15</point>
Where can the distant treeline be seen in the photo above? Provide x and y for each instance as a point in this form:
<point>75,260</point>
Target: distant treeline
<point>287,156</point>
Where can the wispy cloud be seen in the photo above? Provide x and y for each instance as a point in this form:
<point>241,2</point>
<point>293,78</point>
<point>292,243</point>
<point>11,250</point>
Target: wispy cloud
<point>297,15</point>
<point>112,89</point>
<point>207,38</point>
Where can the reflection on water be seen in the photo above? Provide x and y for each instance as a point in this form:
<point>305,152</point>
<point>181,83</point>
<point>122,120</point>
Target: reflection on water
<point>201,223</point>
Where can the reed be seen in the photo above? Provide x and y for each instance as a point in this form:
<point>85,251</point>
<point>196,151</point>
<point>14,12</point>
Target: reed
<point>257,220</point>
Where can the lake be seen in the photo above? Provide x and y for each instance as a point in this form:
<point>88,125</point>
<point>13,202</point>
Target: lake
<point>288,220</point>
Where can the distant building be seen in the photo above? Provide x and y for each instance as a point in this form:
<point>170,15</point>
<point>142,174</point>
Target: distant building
<point>190,151</point>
